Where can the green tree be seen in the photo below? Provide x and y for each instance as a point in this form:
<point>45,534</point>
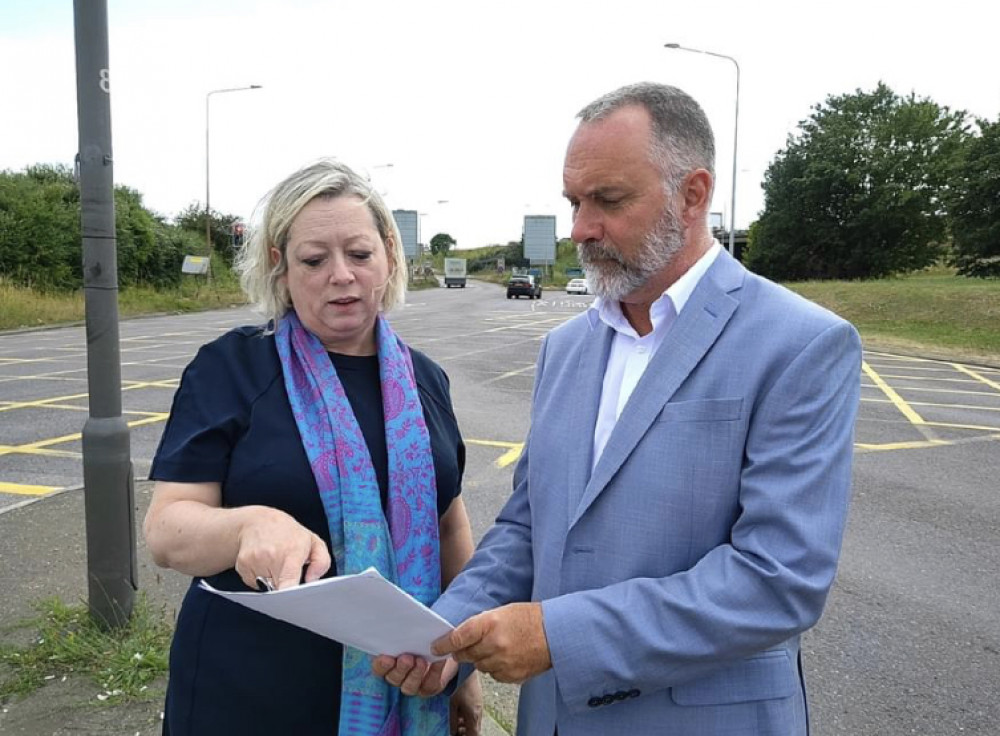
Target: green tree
<point>441,244</point>
<point>974,204</point>
<point>40,228</point>
<point>859,191</point>
<point>40,240</point>
<point>192,219</point>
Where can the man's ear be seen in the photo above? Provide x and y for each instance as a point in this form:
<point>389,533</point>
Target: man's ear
<point>697,191</point>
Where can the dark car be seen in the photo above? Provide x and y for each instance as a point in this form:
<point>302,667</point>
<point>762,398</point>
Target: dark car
<point>524,286</point>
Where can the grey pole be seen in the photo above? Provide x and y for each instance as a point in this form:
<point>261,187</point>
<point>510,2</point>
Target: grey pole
<point>107,466</point>
<point>736,135</point>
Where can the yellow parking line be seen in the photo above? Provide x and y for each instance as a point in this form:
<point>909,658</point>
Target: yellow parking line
<point>11,361</point>
<point>973,407</point>
<point>153,418</point>
<point>901,358</point>
<point>125,412</point>
<point>18,450</point>
<point>46,377</point>
<point>915,445</point>
<point>41,446</point>
<point>26,490</point>
<point>511,456</point>
<point>935,390</point>
<point>895,398</point>
<point>48,403</point>
<point>944,425</point>
<point>977,376</point>
<point>921,368</point>
<point>41,402</point>
<point>935,379</point>
<point>165,383</point>
<point>977,427</point>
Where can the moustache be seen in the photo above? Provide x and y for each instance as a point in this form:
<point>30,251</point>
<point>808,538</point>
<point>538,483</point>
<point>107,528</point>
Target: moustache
<point>596,250</point>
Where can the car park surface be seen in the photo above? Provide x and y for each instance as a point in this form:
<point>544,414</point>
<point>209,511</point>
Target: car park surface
<point>909,640</point>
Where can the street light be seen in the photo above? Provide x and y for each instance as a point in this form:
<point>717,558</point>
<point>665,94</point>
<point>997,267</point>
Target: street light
<point>379,166</point>
<point>736,130</point>
<point>208,208</point>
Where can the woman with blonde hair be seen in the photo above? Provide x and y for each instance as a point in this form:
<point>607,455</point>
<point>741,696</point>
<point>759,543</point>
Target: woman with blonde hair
<point>318,444</point>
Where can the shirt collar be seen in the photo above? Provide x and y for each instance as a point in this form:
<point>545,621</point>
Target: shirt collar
<point>677,294</point>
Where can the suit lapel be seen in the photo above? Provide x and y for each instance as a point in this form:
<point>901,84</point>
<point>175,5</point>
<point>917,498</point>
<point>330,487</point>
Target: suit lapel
<point>591,364</point>
<point>697,328</point>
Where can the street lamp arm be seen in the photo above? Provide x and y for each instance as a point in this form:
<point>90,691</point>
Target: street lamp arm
<point>232,89</point>
<point>736,135</point>
<point>702,51</point>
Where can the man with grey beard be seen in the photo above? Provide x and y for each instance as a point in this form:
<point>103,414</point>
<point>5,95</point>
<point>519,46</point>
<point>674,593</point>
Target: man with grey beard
<point>678,509</point>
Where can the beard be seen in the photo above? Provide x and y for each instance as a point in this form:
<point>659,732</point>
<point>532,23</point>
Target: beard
<point>613,276</point>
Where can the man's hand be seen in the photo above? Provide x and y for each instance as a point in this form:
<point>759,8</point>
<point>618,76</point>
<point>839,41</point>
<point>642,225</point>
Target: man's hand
<point>507,643</point>
<point>415,675</point>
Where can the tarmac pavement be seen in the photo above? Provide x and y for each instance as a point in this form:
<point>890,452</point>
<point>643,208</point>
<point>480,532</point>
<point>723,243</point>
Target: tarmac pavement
<point>43,554</point>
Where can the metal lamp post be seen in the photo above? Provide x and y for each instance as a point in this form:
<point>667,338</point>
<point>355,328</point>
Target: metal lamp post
<point>427,214</point>
<point>736,129</point>
<point>108,481</point>
<point>381,166</point>
<point>208,207</point>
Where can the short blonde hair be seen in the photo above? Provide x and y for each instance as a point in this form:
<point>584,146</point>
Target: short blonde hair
<point>328,179</point>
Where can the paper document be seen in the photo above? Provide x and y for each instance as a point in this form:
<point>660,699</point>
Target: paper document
<point>365,611</point>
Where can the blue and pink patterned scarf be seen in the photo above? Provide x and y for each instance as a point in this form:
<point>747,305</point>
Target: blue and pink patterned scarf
<point>407,550</point>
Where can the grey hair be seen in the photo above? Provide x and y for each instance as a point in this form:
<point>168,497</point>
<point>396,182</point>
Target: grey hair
<point>326,178</point>
<point>682,137</point>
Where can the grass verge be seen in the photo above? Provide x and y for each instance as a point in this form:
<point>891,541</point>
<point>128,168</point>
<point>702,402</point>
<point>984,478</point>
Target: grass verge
<point>23,307</point>
<point>121,662</point>
<point>932,308</point>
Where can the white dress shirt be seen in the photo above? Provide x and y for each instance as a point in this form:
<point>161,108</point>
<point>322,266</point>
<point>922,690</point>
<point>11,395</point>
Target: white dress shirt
<point>630,353</point>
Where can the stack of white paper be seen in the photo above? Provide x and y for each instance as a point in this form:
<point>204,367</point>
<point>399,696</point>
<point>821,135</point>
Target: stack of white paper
<point>364,611</point>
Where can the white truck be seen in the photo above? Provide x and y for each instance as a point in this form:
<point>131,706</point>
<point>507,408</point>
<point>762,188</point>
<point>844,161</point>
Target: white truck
<point>454,272</point>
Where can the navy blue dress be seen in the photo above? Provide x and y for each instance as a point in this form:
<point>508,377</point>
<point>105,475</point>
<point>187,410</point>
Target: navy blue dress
<point>233,670</point>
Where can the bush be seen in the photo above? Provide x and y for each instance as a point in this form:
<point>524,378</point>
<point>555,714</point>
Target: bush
<point>40,236</point>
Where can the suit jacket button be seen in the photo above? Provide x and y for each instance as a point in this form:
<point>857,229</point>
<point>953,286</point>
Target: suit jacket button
<point>594,702</point>
<point>608,699</point>
<point>634,693</point>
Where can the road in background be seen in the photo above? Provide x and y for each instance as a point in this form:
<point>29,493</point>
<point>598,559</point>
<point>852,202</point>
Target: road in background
<point>910,642</point>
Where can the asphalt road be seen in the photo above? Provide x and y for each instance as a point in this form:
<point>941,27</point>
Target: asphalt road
<point>910,642</point>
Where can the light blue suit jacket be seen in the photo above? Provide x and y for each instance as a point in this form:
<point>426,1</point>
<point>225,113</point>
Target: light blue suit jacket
<point>675,580</point>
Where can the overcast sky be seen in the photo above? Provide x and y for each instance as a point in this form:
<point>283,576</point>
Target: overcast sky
<point>472,103</point>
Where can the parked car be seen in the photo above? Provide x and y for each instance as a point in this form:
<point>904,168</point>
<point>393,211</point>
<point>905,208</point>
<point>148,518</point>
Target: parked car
<point>577,286</point>
<point>524,286</point>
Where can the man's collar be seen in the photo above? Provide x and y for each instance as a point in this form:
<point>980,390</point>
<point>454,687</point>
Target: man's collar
<point>678,292</point>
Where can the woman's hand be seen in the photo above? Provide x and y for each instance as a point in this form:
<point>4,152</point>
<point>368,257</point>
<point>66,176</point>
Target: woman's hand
<point>415,675</point>
<point>467,708</point>
<point>188,530</point>
<point>273,546</point>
